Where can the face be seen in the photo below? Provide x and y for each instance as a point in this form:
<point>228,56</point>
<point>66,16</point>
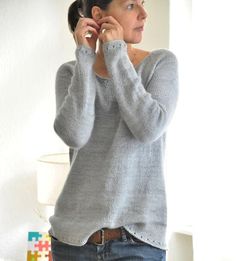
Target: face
<point>131,15</point>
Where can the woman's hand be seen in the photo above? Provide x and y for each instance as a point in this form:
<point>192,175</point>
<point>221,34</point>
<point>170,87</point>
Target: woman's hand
<point>110,29</point>
<point>83,27</point>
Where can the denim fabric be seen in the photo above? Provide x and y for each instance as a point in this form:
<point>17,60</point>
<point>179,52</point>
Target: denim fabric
<point>127,248</point>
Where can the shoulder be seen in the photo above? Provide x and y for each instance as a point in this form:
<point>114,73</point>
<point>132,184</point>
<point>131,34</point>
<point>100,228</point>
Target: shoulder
<point>158,63</point>
<point>158,54</point>
<point>64,75</point>
<point>165,64</point>
<point>66,68</point>
<point>162,62</point>
<point>156,58</point>
<point>163,56</point>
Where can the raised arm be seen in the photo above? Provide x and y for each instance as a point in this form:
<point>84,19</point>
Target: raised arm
<point>146,111</point>
<point>75,98</point>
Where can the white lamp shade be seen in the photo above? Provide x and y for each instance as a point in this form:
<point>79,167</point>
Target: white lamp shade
<point>52,171</point>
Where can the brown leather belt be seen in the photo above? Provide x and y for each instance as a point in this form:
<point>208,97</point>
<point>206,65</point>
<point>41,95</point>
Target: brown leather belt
<point>105,234</point>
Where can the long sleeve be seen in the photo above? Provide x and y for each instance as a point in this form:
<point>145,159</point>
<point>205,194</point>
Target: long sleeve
<point>75,98</point>
<point>146,110</point>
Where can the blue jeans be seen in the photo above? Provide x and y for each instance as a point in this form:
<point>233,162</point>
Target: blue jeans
<point>123,249</point>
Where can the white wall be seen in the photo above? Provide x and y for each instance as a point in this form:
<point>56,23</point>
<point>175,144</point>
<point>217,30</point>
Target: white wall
<point>179,153</point>
<point>179,160</point>
<point>202,174</point>
<point>180,248</point>
<point>215,91</point>
<point>34,41</point>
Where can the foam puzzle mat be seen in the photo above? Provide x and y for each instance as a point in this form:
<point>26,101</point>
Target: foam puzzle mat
<point>39,247</point>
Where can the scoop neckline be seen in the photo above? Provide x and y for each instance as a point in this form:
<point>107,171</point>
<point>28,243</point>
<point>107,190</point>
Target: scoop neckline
<point>136,66</point>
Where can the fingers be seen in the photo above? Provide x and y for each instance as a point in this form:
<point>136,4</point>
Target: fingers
<point>87,22</point>
<point>110,29</point>
<point>89,29</point>
<point>84,27</point>
<point>106,29</point>
<point>107,26</point>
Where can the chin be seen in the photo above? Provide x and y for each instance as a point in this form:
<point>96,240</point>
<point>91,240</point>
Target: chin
<point>134,40</point>
<point>138,41</point>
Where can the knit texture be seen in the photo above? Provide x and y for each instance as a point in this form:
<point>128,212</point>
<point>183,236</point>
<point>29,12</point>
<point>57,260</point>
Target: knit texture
<point>116,130</point>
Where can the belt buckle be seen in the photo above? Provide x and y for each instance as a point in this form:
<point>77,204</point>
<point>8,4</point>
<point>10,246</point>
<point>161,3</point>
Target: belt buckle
<point>103,238</point>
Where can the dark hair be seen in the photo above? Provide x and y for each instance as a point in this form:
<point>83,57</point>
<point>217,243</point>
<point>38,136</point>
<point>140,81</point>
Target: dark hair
<point>83,8</point>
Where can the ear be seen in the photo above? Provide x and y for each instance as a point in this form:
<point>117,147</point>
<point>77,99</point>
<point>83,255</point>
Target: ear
<point>97,13</point>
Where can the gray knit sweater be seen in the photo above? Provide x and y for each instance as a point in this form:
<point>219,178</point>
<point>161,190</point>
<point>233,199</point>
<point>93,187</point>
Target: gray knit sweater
<point>116,128</point>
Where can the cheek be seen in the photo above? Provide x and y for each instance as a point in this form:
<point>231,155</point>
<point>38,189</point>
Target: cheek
<point>124,21</point>
<point>126,24</point>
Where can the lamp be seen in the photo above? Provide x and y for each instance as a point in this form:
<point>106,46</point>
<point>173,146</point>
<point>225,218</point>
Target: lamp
<point>52,170</point>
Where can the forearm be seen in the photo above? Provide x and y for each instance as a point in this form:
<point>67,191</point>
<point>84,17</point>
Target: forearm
<point>76,110</point>
<point>147,113</point>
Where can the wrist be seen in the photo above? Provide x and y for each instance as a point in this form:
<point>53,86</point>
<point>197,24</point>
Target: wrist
<point>113,46</point>
<point>85,54</point>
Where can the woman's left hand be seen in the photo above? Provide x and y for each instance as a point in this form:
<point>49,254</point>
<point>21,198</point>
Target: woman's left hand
<point>110,29</point>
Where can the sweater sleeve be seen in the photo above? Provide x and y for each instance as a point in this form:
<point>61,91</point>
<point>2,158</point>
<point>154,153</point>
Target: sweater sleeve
<point>75,98</point>
<point>146,111</point>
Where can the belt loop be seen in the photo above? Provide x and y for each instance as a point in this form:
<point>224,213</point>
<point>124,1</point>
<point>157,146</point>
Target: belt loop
<point>102,237</point>
<point>123,233</point>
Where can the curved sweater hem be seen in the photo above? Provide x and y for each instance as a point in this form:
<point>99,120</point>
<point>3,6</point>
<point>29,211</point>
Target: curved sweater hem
<point>159,242</point>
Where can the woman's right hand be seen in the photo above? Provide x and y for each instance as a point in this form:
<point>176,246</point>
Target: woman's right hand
<point>83,27</point>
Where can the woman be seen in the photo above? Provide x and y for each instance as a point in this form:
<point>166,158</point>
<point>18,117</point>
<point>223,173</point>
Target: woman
<point>114,104</point>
